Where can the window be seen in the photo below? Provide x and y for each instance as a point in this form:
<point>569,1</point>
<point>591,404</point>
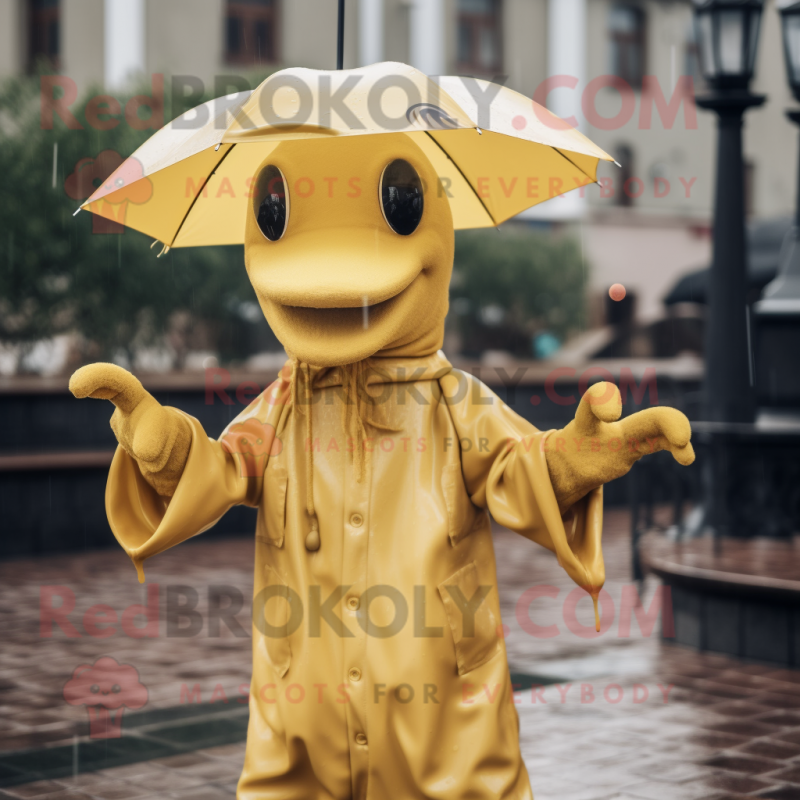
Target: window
<point>479,36</point>
<point>623,183</point>
<point>251,32</point>
<point>626,27</point>
<point>44,34</point>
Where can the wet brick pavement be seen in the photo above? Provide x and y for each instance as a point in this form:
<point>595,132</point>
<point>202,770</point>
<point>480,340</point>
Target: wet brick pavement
<point>594,726</point>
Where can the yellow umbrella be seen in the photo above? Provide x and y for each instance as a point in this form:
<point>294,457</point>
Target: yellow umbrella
<point>495,151</point>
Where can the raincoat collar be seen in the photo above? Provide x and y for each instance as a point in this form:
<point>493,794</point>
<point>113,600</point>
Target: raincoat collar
<point>392,369</point>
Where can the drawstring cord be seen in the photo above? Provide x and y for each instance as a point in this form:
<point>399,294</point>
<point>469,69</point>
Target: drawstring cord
<point>301,375</point>
<point>359,410</point>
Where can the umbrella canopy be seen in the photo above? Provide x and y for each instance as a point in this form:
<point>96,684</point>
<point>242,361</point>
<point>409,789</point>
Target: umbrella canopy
<point>495,152</point>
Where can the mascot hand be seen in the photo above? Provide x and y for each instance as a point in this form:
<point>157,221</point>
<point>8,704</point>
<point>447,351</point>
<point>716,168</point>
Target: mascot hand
<point>157,438</point>
<point>597,447</point>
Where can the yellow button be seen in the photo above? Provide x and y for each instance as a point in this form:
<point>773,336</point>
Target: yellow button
<point>356,520</point>
<point>360,738</point>
<point>312,540</point>
<point>353,602</point>
<point>355,674</point>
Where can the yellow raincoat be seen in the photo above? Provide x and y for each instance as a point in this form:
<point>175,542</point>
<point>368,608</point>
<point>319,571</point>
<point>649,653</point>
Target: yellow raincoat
<point>379,668</point>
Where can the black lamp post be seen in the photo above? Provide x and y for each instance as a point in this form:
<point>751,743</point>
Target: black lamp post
<point>790,23</point>
<point>727,35</point>
<point>727,38</point>
<point>778,312</point>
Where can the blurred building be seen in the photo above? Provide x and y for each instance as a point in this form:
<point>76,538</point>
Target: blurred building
<point>627,65</point>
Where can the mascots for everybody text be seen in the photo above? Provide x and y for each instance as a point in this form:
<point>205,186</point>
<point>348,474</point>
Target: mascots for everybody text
<point>373,463</point>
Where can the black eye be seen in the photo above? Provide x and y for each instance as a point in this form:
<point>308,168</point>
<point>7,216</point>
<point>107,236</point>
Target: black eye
<point>271,203</point>
<point>401,197</point>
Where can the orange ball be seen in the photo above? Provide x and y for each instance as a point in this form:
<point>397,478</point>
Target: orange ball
<point>617,292</point>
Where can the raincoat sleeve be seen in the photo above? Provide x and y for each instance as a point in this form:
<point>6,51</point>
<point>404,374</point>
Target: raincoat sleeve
<point>504,465</point>
<point>218,475</point>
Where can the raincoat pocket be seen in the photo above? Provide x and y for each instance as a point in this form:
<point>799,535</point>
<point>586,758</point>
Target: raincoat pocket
<point>277,612</point>
<point>462,515</point>
<point>272,522</point>
<point>473,618</point>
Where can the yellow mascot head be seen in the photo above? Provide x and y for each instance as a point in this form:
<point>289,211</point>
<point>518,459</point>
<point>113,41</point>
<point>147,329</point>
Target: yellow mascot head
<point>350,249</point>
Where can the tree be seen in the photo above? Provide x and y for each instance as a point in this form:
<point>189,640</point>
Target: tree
<point>512,284</point>
<point>57,276</point>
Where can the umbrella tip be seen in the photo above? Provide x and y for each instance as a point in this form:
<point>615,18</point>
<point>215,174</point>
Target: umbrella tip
<point>480,132</point>
<point>76,211</point>
<point>217,147</point>
<point>618,164</point>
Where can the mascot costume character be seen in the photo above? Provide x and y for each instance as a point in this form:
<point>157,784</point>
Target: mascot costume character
<point>373,463</point>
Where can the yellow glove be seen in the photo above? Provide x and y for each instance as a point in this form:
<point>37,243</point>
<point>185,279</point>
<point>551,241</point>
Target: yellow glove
<point>157,438</point>
<point>595,448</point>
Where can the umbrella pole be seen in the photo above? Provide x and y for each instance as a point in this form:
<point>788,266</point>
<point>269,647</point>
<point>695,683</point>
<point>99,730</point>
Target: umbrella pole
<point>340,38</point>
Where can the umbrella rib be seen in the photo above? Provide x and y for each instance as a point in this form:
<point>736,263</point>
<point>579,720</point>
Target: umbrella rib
<point>199,192</point>
<point>574,165</point>
<point>466,180</point>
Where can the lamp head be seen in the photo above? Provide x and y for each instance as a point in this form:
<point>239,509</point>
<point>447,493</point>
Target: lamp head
<point>790,24</point>
<point>727,37</point>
